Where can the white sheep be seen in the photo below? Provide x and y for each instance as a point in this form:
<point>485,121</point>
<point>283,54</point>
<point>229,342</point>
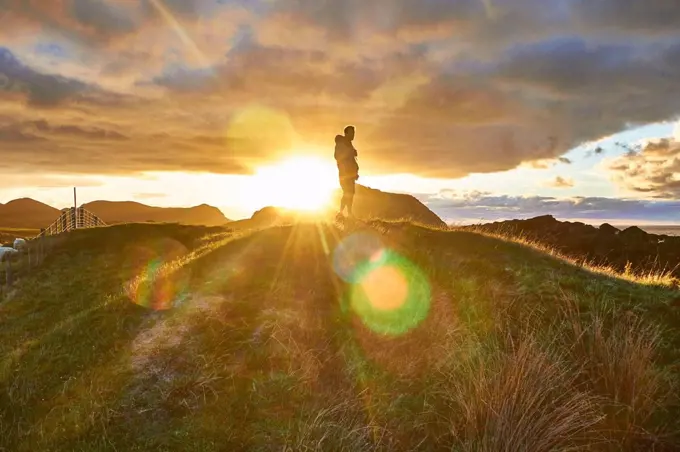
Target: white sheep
<point>20,244</point>
<point>6,252</point>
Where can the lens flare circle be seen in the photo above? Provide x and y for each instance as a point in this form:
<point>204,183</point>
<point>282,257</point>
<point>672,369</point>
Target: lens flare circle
<point>355,251</point>
<point>157,283</point>
<point>386,288</point>
<point>391,295</point>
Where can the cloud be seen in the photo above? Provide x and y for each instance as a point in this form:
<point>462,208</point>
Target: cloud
<point>87,132</point>
<point>540,164</point>
<point>87,21</point>
<point>653,170</point>
<point>599,150</point>
<point>40,89</point>
<point>438,88</point>
<point>42,130</point>
<point>44,181</point>
<point>145,196</point>
<point>651,17</point>
<point>547,163</point>
<point>560,182</point>
<point>19,82</point>
<point>106,17</point>
<point>96,22</point>
<point>476,207</point>
<point>38,144</point>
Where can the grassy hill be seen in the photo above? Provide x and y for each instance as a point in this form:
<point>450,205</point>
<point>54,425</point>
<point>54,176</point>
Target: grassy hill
<point>27,213</point>
<point>8,235</point>
<point>382,336</point>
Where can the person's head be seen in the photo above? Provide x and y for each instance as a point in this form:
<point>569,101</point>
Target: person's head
<point>339,139</point>
<point>349,132</point>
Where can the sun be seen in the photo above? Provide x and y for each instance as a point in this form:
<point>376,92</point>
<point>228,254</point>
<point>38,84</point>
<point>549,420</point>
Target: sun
<point>298,183</point>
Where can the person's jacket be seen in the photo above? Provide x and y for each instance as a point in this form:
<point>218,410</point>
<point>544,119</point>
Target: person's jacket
<point>346,158</point>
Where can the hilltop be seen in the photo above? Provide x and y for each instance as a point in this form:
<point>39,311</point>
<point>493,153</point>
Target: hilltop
<point>629,249</point>
<point>372,203</point>
<point>377,336</point>
<point>27,213</point>
<point>368,204</point>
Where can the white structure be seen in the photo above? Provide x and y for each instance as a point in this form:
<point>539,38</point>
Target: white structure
<point>20,244</point>
<point>6,253</point>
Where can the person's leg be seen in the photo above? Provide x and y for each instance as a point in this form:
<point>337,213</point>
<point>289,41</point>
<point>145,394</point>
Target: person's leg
<point>343,203</point>
<point>350,198</point>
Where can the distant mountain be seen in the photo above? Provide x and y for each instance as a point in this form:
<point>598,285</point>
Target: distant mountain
<point>27,213</point>
<point>132,212</point>
<point>31,214</point>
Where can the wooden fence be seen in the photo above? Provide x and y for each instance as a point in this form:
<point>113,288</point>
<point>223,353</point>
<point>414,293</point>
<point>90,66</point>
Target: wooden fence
<point>71,219</point>
<point>36,249</point>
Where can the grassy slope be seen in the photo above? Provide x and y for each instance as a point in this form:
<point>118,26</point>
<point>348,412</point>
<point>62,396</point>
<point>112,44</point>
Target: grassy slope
<point>520,350</point>
<point>7,235</point>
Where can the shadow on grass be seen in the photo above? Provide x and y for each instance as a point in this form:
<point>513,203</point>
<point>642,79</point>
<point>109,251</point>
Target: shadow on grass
<point>242,347</point>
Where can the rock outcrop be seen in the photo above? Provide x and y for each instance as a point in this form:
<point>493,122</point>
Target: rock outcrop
<point>605,245</point>
<point>370,203</point>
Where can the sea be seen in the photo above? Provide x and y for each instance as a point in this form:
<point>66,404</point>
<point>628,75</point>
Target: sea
<point>659,230</point>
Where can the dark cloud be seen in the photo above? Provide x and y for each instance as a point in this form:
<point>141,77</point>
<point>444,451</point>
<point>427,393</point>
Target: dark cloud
<point>653,170</point>
<point>70,130</point>
<point>561,182</point>
<point>543,100</point>
<point>104,16</point>
<point>343,19</point>
<point>89,22</point>
<point>599,150</point>
<point>19,81</point>
<point>94,22</point>
<point>480,207</point>
<point>649,17</point>
<point>16,135</point>
<point>41,89</point>
<point>40,130</point>
<point>564,160</point>
<point>70,148</point>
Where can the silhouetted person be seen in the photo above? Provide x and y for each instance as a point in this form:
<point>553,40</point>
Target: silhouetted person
<point>348,168</point>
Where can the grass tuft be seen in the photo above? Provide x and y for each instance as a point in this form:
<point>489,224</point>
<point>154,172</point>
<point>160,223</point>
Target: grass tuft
<point>655,276</point>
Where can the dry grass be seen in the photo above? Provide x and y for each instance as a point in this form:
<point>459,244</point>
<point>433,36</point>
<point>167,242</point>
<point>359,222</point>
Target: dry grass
<point>524,398</point>
<point>616,353</point>
<point>654,276</point>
